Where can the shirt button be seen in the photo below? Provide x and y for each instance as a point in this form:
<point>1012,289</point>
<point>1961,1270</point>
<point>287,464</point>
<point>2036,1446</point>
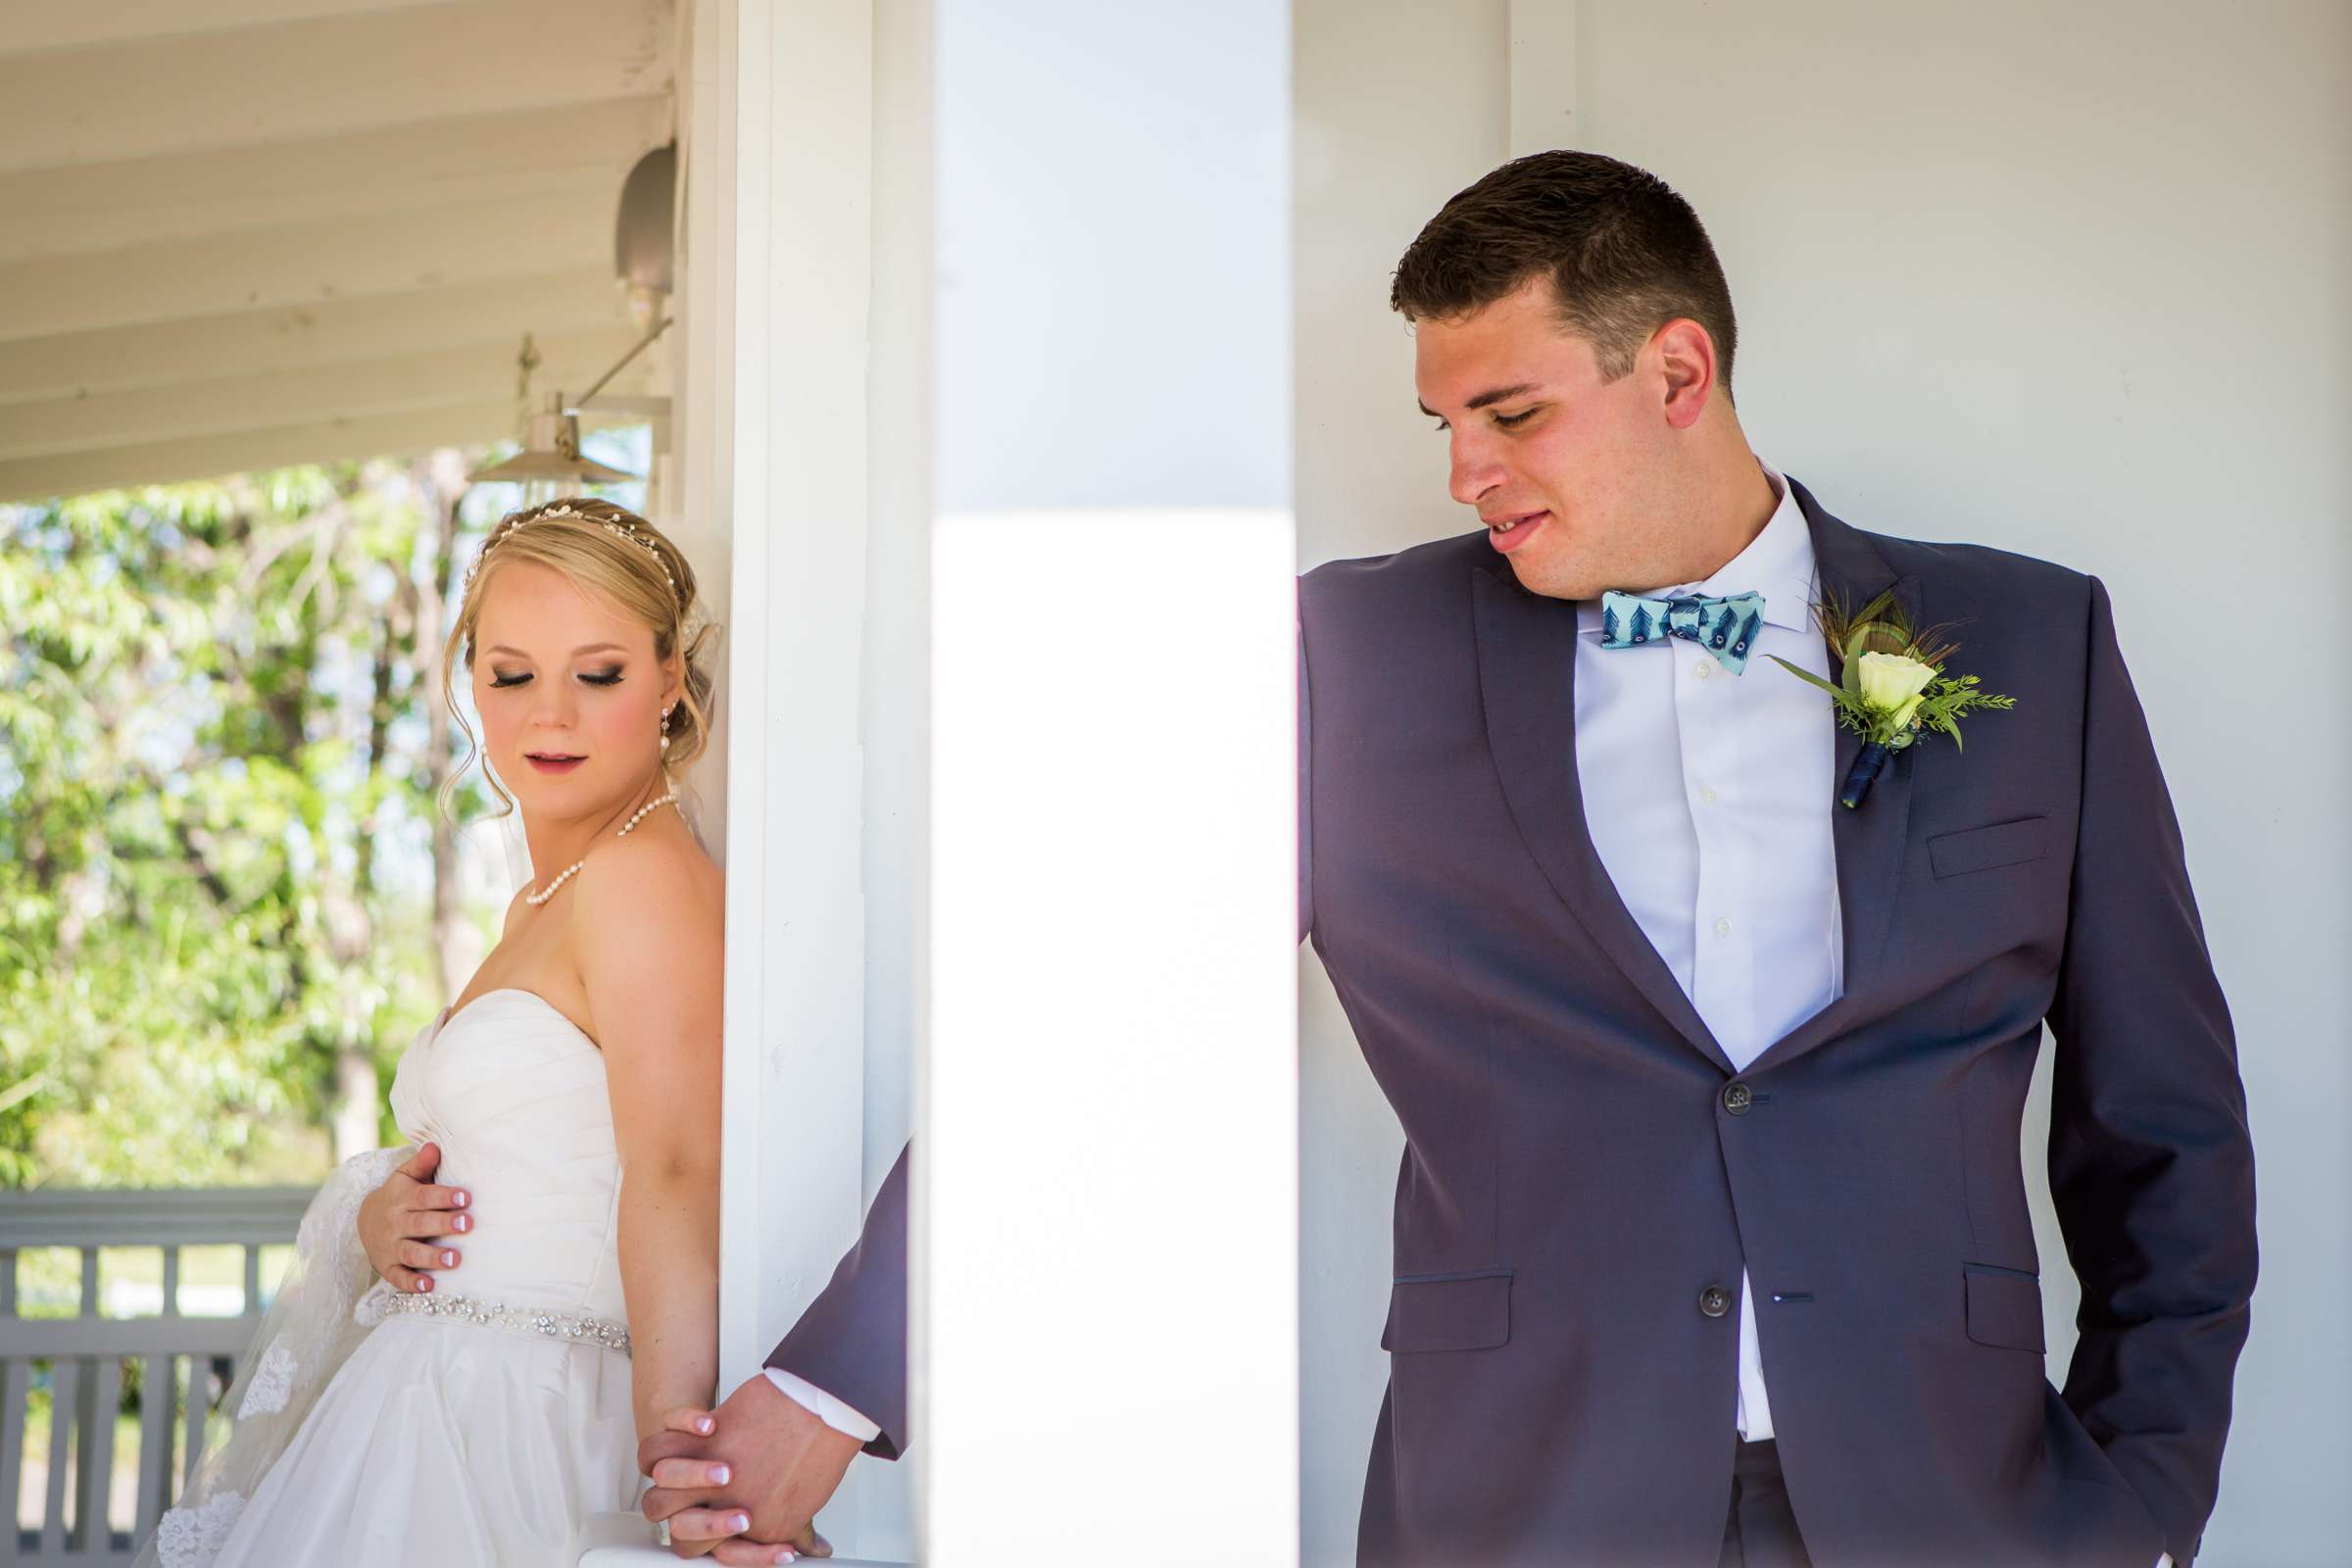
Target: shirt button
<point>1714,1301</point>
<point>1723,928</point>
<point>1703,668</point>
<point>1706,793</point>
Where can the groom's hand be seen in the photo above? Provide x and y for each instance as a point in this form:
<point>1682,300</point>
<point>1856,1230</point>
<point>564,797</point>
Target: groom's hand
<point>782,1463</point>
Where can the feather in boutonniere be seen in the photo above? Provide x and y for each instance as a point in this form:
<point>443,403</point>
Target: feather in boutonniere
<point>1892,687</point>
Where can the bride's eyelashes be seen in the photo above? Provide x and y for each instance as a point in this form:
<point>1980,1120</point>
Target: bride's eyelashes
<point>595,677</point>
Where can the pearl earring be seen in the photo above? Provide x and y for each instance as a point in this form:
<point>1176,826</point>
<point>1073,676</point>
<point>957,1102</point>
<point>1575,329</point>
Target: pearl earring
<point>666,729</point>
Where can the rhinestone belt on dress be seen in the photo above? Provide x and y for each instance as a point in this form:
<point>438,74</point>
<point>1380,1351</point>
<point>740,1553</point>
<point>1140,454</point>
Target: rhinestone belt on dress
<point>498,1315</point>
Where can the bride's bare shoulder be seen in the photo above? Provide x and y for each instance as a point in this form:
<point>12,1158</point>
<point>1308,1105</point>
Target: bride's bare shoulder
<point>660,872</point>
<point>647,937</point>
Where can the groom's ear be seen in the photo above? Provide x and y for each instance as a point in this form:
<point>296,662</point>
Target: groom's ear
<point>1685,364</point>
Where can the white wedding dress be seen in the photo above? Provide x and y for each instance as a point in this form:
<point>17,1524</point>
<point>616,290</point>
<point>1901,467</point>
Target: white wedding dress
<point>476,1424</point>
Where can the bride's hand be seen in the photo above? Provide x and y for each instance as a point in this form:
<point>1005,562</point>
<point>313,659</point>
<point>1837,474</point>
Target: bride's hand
<point>400,1216</point>
<point>758,1506</point>
<point>663,1458</point>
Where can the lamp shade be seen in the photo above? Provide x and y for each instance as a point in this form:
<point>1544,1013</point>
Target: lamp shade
<point>552,451</point>
<point>643,237</point>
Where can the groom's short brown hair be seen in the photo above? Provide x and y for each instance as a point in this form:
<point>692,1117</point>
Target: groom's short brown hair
<point>1625,255</point>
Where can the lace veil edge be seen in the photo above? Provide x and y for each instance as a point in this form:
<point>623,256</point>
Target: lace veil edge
<point>320,1315</point>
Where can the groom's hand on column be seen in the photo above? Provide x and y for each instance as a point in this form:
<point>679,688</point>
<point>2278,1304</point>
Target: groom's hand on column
<point>401,1217</point>
<point>783,1465</point>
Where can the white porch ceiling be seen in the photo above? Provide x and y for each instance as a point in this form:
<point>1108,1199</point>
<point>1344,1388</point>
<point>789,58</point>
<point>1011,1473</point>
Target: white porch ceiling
<point>243,232</point>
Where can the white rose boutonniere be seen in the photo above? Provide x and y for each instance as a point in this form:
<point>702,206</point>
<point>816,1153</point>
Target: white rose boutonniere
<point>1892,683</point>
<point>1892,687</point>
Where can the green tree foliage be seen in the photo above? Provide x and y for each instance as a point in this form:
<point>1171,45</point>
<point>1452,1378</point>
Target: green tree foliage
<point>223,900</point>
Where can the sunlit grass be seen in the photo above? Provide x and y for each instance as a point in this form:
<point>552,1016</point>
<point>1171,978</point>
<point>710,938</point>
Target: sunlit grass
<point>130,1280</point>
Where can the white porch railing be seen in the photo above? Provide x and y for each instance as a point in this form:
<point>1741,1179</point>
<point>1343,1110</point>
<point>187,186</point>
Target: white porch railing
<point>70,1503</point>
<point>77,1512</point>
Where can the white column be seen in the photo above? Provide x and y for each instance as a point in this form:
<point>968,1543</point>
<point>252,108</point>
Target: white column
<point>1107,1179</point>
<point>796,211</point>
<point>873,1512</point>
<point>795,990</point>
<point>773,419</point>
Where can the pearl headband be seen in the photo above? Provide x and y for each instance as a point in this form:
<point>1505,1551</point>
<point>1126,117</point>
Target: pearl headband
<point>617,529</point>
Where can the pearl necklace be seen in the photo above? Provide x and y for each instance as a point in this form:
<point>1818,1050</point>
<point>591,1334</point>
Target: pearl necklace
<point>574,869</point>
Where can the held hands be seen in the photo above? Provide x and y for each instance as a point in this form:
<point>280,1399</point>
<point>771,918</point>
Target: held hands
<point>744,1483</point>
<point>406,1212</point>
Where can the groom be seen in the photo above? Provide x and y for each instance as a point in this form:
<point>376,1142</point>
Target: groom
<point>1711,1234</point>
<point>1711,1238</point>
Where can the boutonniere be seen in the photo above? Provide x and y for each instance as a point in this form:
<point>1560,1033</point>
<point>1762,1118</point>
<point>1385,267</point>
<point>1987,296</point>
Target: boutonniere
<point>1892,687</point>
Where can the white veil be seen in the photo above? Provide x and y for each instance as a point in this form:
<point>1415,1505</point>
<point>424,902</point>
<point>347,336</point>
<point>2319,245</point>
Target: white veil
<point>325,1305</point>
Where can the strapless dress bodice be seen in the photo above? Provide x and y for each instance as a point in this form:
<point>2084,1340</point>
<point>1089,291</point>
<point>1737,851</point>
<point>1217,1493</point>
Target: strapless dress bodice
<point>514,1093</point>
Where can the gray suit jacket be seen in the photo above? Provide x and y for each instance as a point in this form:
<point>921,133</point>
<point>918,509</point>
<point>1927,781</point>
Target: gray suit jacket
<point>852,1342</point>
<point>1584,1169</point>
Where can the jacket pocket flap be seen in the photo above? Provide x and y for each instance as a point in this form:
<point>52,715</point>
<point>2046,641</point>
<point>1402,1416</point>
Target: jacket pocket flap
<point>1448,1312</point>
<point>1981,849</point>
<point>2004,1309</point>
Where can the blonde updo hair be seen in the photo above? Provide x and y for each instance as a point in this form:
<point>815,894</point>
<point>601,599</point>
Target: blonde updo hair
<point>608,553</point>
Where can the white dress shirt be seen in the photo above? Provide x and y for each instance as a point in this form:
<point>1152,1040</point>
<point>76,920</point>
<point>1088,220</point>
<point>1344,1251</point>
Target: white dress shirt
<point>823,1405</point>
<point>1724,857</point>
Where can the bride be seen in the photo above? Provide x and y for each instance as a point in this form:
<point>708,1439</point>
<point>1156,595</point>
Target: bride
<point>584,1050</point>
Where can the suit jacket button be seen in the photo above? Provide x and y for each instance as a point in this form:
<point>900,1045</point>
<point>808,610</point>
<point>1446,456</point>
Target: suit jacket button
<point>1714,1301</point>
<point>1736,1098</point>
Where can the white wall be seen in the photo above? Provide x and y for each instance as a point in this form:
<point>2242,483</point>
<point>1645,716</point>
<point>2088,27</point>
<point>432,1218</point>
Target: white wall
<point>1393,115</point>
<point>2071,281</point>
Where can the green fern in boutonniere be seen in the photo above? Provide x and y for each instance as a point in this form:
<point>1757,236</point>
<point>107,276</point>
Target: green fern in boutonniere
<point>1892,687</point>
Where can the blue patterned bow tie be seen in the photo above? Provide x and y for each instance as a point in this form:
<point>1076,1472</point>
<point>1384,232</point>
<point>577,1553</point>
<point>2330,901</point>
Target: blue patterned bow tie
<point>1723,627</point>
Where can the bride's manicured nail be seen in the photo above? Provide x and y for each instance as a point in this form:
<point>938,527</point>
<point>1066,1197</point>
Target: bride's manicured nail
<point>458,1199</point>
<point>720,1475</point>
<point>448,1261</point>
<point>424,1283</point>
<point>739,1521</point>
<point>704,1425</point>
<point>461,1223</point>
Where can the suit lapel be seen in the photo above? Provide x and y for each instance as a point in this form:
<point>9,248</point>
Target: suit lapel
<point>1527,675</point>
<point>1871,838</point>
